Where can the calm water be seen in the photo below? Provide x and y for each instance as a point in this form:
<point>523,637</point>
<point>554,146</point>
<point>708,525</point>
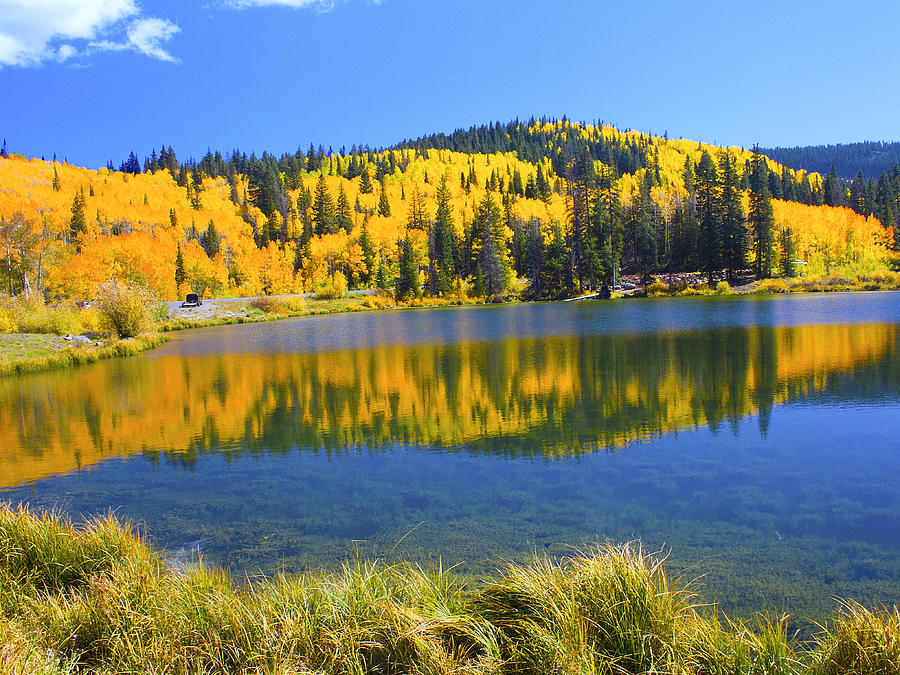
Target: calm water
<point>755,439</point>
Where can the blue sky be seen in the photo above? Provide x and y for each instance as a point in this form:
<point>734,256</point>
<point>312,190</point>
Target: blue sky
<point>92,80</point>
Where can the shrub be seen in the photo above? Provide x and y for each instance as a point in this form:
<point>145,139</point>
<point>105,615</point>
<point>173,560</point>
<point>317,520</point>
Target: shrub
<point>771,286</point>
<point>657,288</point>
<point>723,288</point>
<point>333,290</point>
<point>295,305</point>
<point>378,302</point>
<point>124,307</point>
<point>268,305</point>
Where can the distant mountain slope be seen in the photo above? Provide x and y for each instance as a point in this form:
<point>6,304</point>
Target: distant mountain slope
<point>870,157</point>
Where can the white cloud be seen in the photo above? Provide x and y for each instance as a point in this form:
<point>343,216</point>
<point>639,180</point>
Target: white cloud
<point>34,31</point>
<point>144,36</point>
<point>297,4</point>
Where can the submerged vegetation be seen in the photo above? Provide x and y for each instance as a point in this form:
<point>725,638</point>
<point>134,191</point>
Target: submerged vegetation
<point>94,598</point>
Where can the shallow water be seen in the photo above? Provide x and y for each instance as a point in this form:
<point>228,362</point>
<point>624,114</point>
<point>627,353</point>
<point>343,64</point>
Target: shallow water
<point>753,439</point>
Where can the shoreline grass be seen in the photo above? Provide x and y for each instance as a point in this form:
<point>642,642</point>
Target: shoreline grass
<point>71,356</point>
<point>93,597</point>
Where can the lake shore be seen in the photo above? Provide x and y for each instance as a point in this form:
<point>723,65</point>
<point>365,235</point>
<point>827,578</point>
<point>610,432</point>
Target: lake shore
<point>32,352</point>
<point>94,596</point>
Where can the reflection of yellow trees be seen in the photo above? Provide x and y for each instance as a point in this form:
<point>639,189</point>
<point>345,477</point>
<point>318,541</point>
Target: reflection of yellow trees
<point>550,396</point>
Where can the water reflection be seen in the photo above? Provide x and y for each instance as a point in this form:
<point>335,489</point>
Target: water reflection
<point>548,397</point>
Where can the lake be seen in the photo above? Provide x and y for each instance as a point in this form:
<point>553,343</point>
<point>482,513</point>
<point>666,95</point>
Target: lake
<point>752,439</point>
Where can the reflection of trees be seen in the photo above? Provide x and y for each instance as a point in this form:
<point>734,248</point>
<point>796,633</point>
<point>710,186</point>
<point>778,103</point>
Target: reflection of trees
<point>536,397</point>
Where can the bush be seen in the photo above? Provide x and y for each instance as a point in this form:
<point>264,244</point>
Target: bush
<point>723,288</point>
<point>29,314</point>
<point>124,307</point>
<point>657,288</point>
<point>268,305</point>
<point>333,290</point>
<point>771,286</point>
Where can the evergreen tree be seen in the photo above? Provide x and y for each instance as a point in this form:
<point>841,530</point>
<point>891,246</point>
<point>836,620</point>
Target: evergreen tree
<point>209,240</point>
<point>543,187</point>
<point>734,240</point>
<point>442,235</point>
<point>365,243</point>
<point>580,187</point>
<point>493,273</point>
<point>77,223</point>
<point>415,216</point>
<point>342,217</point>
<point>709,210</point>
<point>761,216</point>
<point>323,208</point>
<point>384,206</point>
<point>408,281</point>
<point>55,183</point>
<point>196,187</point>
<point>365,182</point>
<point>786,239</point>
<point>179,267</point>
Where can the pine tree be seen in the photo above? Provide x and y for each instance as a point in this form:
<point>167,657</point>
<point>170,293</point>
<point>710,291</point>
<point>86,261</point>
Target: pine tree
<point>365,183</point>
<point>209,240</point>
<point>442,236</point>
<point>543,187</point>
<point>761,217</point>
<point>786,239</point>
<point>323,208</point>
<point>415,216</point>
<point>365,243</point>
<point>384,206</point>
<point>343,219</point>
<point>179,267</point>
<point>734,241</point>
<point>493,273</point>
<point>408,281</point>
<point>709,211</point>
<point>77,223</point>
<point>55,183</point>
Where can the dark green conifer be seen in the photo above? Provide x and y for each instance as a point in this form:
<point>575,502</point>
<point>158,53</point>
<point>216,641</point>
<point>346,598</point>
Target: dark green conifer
<point>761,217</point>
<point>384,206</point>
<point>179,267</point>
<point>323,208</point>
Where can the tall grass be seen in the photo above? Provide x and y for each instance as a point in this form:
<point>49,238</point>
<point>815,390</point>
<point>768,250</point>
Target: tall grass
<point>95,598</point>
<point>30,314</point>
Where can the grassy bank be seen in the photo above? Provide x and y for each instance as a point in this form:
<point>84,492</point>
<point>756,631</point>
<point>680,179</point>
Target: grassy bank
<point>21,354</point>
<point>95,598</point>
<point>883,280</point>
<point>273,309</point>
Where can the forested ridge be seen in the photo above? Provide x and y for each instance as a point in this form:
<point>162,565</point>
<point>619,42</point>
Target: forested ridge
<point>870,158</point>
<point>566,206</point>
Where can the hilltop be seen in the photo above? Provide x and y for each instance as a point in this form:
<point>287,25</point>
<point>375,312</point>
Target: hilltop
<point>566,206</point>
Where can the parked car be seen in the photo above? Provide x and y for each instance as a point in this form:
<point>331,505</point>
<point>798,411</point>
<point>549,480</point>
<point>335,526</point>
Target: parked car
<point>192,300</point>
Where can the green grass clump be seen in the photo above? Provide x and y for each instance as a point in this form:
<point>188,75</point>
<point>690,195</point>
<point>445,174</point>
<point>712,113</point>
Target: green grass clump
<point>95,598</point>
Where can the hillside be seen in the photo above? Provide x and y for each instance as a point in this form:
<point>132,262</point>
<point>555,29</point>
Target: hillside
<point>871,158</point>
<point>566,206</point>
